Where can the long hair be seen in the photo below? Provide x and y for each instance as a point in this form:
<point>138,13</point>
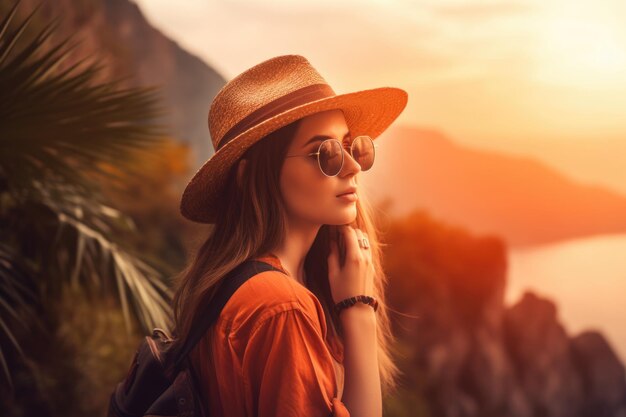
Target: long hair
<point>251,222</point>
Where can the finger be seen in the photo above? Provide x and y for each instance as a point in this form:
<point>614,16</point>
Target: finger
<point>359,238</point>
<point>368,254</point>
<point>349,234</point>
<point>365,236</point>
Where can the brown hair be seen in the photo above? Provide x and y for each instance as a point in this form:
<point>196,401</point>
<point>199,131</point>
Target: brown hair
<point>251,223</point>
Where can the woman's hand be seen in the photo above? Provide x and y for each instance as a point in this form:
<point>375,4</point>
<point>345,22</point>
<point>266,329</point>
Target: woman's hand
<point>356,276</point>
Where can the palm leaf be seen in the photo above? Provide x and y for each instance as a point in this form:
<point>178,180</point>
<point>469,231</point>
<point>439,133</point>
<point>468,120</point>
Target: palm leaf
<point>18,294</point>
<point>61,132</point>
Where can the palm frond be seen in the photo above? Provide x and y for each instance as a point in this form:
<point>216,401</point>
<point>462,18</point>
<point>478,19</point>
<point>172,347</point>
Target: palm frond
<point>148,295</point>
<point>87,126</point>
<point>17,295</point>
<point>61,132</point>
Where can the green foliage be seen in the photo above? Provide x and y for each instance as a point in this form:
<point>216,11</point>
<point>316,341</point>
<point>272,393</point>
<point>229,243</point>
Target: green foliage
<point>62,136</point>
<point>409,399</point>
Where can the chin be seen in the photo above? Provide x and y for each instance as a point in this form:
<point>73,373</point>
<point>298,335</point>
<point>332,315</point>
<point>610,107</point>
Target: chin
<point>347,216</point>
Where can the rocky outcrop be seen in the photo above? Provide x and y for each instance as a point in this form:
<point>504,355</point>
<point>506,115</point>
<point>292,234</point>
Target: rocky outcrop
<point>602,375</point>
<point>473,356</point>
<point>540,351</point>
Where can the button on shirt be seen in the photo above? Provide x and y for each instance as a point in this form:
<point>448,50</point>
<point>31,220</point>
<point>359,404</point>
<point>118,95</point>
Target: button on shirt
<point>270,352</point>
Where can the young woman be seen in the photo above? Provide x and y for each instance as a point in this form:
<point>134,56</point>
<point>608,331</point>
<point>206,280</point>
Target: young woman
<point>283,188</point>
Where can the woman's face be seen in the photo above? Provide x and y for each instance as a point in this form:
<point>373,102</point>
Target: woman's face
<point>309,195</point>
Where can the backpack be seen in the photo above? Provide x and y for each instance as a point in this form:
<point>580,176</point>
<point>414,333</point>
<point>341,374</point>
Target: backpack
<point>149,388</point>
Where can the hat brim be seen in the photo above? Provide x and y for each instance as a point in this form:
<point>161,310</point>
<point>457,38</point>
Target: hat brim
<point>367,112</point>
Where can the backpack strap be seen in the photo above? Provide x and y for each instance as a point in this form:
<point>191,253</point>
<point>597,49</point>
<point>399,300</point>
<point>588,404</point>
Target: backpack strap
<point>233,280</point>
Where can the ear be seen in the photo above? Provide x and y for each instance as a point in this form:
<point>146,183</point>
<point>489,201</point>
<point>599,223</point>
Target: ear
<point>241,166</point>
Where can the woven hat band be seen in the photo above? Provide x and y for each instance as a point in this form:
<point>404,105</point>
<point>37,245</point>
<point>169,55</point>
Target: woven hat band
<point>295,98</point>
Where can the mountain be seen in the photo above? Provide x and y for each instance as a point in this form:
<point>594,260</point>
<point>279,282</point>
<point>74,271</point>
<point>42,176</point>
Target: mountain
<point>519,198</point>
<point>598,159</point>
<point>128,46</point>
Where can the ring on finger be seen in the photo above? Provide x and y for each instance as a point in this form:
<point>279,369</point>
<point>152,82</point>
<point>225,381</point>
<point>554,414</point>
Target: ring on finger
<point>363,243</point>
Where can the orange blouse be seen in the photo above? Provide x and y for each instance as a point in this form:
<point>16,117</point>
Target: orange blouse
<point>270,354</point>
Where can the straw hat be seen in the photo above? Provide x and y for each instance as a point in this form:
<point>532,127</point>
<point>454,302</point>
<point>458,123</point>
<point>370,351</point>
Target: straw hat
<point>263,99</point>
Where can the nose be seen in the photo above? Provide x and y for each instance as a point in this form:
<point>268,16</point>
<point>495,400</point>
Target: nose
<point>350,165</point>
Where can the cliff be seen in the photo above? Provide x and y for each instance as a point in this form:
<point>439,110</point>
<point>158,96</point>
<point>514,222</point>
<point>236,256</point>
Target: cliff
<point>468,354</point>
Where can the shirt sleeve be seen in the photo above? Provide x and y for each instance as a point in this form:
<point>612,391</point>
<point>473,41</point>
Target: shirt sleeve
<point>288,370</point>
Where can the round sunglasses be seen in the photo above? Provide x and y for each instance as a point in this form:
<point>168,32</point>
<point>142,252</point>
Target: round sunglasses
<point>330,155</point>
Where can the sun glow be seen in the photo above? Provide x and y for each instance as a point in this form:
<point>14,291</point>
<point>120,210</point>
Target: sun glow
<point>581,51</point>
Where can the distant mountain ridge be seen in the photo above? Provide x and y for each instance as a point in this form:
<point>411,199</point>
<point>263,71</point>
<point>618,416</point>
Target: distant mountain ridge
<point>519,198</point>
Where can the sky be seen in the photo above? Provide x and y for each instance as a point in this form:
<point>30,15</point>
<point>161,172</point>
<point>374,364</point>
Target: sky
<point>533,77</point>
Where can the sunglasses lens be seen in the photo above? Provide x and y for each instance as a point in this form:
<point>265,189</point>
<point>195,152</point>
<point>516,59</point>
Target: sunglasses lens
<point>331,157</point>
<point>363,152</point>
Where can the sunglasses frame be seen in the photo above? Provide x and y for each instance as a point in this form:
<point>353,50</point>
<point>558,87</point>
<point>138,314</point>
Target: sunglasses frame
<point>317,154</point>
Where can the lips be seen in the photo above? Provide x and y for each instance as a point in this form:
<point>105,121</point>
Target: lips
<point>348,191</point>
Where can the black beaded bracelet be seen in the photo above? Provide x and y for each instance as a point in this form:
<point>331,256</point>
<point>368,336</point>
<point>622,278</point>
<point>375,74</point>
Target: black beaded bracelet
<point>349,302</point>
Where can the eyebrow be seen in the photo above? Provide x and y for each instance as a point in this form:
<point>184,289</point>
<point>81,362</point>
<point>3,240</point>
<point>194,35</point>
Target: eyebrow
<point>318,138</point>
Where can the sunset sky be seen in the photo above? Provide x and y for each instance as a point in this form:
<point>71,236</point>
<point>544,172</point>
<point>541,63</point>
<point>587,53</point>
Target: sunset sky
<point>541,78</point>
